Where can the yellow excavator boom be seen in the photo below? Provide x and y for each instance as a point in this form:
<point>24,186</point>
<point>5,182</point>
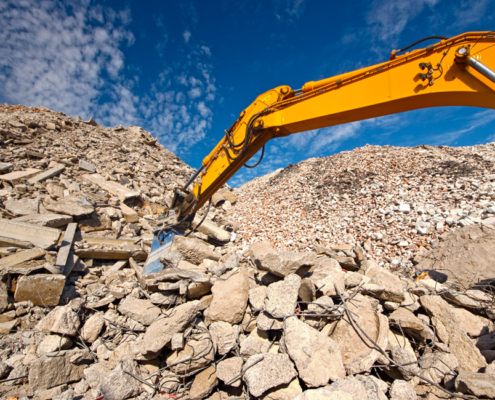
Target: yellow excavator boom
<point>454,72</point>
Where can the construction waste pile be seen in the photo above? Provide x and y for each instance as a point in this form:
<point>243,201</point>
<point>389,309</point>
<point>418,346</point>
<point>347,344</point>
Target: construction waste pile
<point>254,313</point>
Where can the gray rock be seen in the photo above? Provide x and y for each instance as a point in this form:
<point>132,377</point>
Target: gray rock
<point>470,358</point>
<point>95,373</point>
<point>224,336</point>
<point>62,320</point>
<point>356,355</point>
<point>139,310</point>
<point>481,385</point>
<point>118,385</point>
<point>285,263</point>
<point>49,220</point>
<point>193,250</point>
<point>265,322</point>
<point>266,371</point>
<point>160,332</point>
<point>486,342</point>
<point>401,390</point>
<point>281,297</point>
<point>47,372</point>
<point>87,166</point>
<point>317,357</point>
<point>76,206</point>
<point>230,299</point>
<point>229,369</point>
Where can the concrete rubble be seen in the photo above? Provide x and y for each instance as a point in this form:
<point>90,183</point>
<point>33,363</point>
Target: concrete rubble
<point>349,302</point>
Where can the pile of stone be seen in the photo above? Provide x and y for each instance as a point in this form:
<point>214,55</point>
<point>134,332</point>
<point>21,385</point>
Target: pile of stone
<point>80,318</point>
<point>395,202</point>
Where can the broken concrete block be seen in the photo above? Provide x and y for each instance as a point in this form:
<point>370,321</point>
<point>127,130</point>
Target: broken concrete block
<point>47,372</point>
<point>21,257</point>
<point>230,299</point>
<point>41,290</point>
<point>92,328</point>
<point>481,385</point>
<point>119,385</point>
<point>193,250</point>
<point>266,371</point>
<point>229,369</point>
<point>87,166</point>
<point>38,236</point>
<point>115,188</point>
<point>281,297</point>
<point>224,336</point>
<point>47,174</point>
<point>470,358</point>
<point>198,351</point>
<point>160,332</point>
<point>49,220</point>
<point>18,175</point>
<point>76,206</point>
<point>285,263</point>
<point>139,310</point>
<point>203,384</point>
<point>52,343</point>
<point>317,357</point>
<point>62,320</point>
<point>129,214</point>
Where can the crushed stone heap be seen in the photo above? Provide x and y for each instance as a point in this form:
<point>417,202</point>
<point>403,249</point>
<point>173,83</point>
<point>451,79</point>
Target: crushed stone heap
<point>79,318</point>
<point>394,202</point>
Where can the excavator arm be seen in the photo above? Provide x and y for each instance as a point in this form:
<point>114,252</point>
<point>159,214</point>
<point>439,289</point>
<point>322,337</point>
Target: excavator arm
<point>454,72</point>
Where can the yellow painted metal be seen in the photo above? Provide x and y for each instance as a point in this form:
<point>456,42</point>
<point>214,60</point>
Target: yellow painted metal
<point>387,88</point>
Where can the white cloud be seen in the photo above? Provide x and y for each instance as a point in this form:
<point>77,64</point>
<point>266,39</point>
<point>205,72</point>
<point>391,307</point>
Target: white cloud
<point>187,36</point>
<point>70,58</point>
<point>388,18</point>
<point>49,56</point>
<point>289,10</point>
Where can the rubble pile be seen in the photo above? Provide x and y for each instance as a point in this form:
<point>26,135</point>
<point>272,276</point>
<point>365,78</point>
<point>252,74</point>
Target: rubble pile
<point>394,202</point>
<point>80,318</point>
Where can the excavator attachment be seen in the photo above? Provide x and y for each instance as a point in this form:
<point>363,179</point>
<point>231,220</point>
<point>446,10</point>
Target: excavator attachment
<point>162,241</point>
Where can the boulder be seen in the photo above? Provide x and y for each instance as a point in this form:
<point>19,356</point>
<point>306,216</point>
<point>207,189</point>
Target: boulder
<point>266,322</point>
<point>41,289</point>
<point>470,358</point>
<point>375,388</point>
<point>230,299</point>
<point>230,369</point>
<point>357,355</point>
<point>351,385</point>
<point>266,371</point>
<point>47,372</point>
<point>316,356</point>
<point>62,320</point>
<point>474,325</point>
<point>281,297</point>
<point>139,310</point>
<point>257,342</point>
<point>326,275</point>
<point>438,365</point>
<point>407,321</point>
<point>285,262</point>
<point>324,393</point>
<point>193,250</point>
<point>257,297</point>
<point>119,385</point>
<point>160,332</point>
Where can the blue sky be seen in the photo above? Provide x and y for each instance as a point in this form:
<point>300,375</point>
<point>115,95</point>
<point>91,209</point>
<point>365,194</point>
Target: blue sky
<point>184,70</point>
